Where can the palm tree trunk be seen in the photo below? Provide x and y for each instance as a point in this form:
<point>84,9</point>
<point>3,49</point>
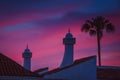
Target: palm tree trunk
<point>99,55</point>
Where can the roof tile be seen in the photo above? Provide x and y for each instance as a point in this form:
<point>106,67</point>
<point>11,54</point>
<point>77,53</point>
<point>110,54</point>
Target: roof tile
<point>8,67</point>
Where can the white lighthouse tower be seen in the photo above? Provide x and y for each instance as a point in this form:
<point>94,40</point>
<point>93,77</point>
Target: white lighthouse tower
<point>69,42</point>
<point>27,55</point>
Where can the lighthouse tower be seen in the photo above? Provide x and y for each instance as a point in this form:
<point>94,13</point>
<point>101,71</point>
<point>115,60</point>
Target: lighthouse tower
<point>27,55</point>
<point>69,42</point>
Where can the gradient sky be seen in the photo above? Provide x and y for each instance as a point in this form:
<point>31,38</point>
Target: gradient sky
<point>42,24</point>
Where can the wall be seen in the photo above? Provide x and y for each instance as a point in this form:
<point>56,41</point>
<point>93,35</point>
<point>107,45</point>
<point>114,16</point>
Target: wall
<point>83,71</point>
<point>19,78</point>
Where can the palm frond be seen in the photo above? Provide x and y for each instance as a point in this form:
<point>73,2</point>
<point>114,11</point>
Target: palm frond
<point>90,23</point>
<point>106,21</point>
<point>92,32</point>
<point>85,27</point>
<point>99,22</point>
<point>110,27</point>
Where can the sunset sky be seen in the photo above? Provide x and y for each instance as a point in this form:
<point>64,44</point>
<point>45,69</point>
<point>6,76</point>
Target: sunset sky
<point>42,24</point>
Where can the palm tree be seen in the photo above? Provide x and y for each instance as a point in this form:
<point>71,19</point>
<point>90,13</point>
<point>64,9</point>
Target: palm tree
<point>95,26</point>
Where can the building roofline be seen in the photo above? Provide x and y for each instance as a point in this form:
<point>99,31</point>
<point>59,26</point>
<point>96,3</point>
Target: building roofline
<point>7,67</point>
<point>76,62</point>
<point>40,70</point>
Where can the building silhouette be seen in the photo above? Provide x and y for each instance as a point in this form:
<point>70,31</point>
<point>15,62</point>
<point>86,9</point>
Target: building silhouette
<point>80,69</point>
<point>69,42</point>
<point>27,55</point>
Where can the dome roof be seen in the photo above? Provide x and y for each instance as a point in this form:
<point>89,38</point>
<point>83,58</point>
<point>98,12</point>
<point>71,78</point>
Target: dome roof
<point>27,49</point>
<point>69,35</point>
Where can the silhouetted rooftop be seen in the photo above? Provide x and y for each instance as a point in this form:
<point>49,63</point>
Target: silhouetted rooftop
<point>75,63</point>
<point>40,70</point>
<point>8,67</point>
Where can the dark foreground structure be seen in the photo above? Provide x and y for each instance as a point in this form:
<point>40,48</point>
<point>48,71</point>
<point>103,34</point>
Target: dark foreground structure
<point>10,70</point>
<point>81,69</point>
